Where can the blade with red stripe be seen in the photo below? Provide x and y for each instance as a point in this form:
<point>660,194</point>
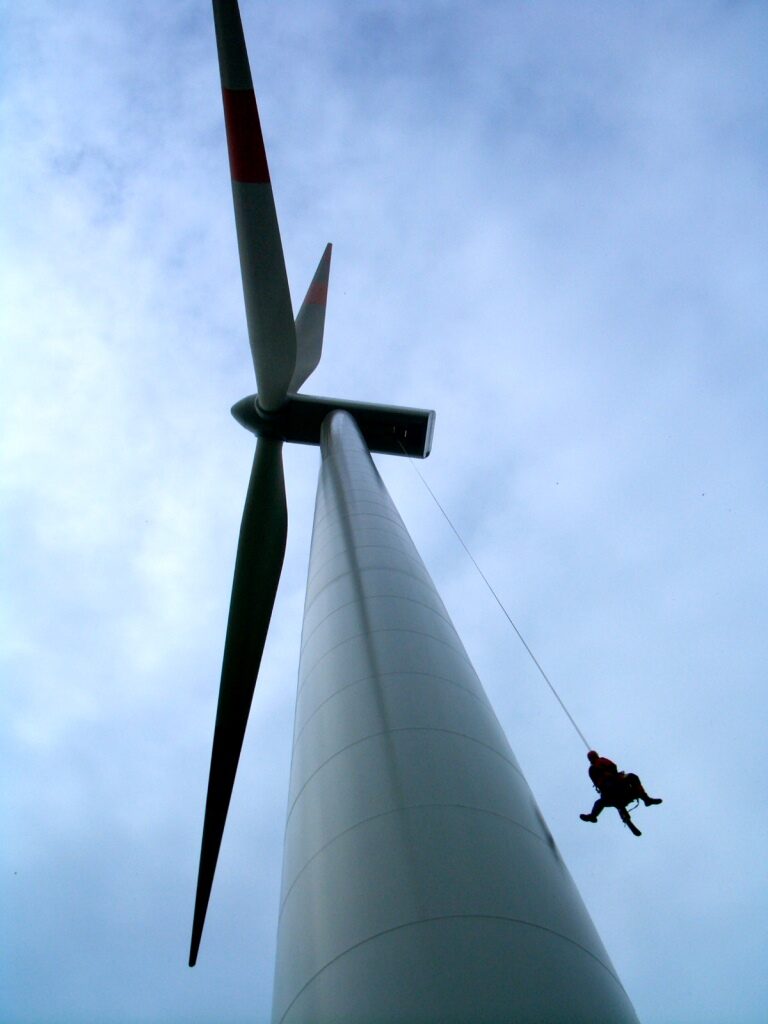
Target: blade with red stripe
<point>271,330</point>
<point>310,323</point>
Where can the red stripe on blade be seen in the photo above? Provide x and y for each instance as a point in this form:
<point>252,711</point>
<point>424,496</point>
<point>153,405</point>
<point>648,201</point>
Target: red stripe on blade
<point>247,158</point>
<point>317,294</point>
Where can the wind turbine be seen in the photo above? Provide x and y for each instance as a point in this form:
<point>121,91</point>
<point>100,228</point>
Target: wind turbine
<point>420,880</point>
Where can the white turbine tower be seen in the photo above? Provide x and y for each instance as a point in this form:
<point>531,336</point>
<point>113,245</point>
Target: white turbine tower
<point>420,881</point>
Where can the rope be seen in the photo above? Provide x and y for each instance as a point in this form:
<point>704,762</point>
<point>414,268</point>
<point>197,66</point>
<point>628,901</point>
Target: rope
<point>520,636</point>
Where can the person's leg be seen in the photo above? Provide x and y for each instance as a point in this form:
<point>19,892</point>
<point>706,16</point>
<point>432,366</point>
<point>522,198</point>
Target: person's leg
<point>624,815</point>
<point>595,812</point>
<point>638,791</point>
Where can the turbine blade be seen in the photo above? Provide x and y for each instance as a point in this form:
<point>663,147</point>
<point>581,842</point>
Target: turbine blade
<point>310,323</point>
<point>268,309</point>
<point>258,564</point>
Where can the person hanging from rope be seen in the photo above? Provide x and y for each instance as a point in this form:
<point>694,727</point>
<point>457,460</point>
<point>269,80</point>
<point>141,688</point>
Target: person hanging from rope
<point>616,789</point>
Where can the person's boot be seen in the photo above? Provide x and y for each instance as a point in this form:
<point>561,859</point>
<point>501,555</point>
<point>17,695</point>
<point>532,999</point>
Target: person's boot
<point>649,801</point>
<point>624,814</point>
<point>589,817</point>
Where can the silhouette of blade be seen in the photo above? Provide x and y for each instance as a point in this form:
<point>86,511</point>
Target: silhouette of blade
<point>310,323</point>
<point>258,564</point>
<point>268,309</point>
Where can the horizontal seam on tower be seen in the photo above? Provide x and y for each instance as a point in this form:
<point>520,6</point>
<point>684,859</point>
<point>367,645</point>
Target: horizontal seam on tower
<point>365,600</point>
<point>329,536</point>
<point>396,810</point>
<point>371,632</point>
<point>371,568</point>
<point>391,732</point>
<point>483,700</point>
<point>412,556</point>
<point>374,537</point>
<point>452,917</point>
<point>336,516</point>
<point>329,509</point>
<point>362,547</point>
<point>328,505</point>
<point>359,488</point>
<point>329,519</point>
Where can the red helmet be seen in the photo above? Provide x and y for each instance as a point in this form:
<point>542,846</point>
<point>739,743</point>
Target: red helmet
<point>593,755</point>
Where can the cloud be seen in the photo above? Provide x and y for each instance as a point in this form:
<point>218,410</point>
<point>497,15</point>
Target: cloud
<point>548,225</point>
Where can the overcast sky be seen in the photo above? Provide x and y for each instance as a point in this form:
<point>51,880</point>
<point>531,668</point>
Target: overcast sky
<point>549,224</point>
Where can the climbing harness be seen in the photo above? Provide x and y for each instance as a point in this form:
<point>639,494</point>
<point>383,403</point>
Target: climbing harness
<point>520,636</point>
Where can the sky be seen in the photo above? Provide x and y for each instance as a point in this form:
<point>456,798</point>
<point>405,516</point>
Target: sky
<point>549,225</point>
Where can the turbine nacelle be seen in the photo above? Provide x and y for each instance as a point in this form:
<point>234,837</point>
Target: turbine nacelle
<point>392,429</point>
